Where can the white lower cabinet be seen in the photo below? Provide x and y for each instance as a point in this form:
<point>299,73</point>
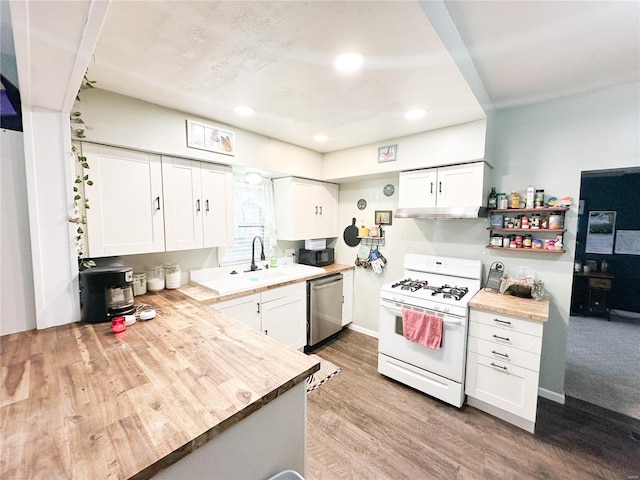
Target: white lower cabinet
<point>503,366</point>
<point>280,313</point>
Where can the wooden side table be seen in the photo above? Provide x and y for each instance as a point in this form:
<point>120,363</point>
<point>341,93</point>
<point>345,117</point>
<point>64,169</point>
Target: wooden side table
<point>597,293</point>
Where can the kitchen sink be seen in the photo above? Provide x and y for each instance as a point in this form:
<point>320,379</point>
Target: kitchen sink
<point>223,282</point>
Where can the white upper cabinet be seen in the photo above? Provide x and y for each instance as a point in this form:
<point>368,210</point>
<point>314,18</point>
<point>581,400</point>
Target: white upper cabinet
<point>453,186</point>
<point>126,215</point>
<point>197,204</point>
<point>305,209</point>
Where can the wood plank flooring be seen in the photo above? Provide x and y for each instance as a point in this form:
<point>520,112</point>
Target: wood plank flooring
<point>362,425</point>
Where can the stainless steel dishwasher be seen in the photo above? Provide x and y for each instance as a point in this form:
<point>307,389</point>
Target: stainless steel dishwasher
<point>324,308</point>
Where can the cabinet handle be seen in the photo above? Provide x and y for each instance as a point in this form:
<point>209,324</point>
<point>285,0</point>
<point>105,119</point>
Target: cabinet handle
<point>506,339</point>
<point>206,205</point>
<point>198,205</point>
<point>506,322</point>
<point>266,332</point>
<point>431,188</point>
<point>258,307</point>
<point>505,355</point>
<point>316,209</point>
<point>498,366</point>
<point>440,187</point>
<point>320,209</point>
<point>157,203</point>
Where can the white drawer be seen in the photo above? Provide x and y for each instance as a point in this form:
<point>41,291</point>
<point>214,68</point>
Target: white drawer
<point>505,354</point>
<point>509,322</point>
<point>505,337</point>
<point>507,387</point>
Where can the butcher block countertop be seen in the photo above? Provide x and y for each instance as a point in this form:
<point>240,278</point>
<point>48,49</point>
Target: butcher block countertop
<point>79,402</point>
<point>526,308</point>
<point>210,297</point>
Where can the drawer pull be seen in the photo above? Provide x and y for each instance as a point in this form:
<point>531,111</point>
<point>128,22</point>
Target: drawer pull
<point>498,366</point>
<point>506,339</point>
<point>506,322</point>
<point>505,355</point>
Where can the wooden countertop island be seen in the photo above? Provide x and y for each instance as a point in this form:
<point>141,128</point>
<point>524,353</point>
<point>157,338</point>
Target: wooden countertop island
<point>79,402</point>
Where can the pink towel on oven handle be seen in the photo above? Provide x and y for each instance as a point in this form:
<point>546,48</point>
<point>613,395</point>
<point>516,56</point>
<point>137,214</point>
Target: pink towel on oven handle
<point>422,328</point>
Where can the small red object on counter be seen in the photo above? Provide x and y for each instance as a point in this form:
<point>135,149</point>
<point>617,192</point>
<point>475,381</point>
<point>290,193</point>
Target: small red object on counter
<point>118,325</point>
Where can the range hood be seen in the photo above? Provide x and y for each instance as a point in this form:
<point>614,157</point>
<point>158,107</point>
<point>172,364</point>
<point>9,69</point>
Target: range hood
<point>442,212</point>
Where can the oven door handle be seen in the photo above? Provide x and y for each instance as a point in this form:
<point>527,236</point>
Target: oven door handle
<point>398,307</point>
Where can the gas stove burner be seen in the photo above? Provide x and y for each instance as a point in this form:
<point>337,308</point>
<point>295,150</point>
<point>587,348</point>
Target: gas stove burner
<point>447,291</point>
<point>409,284</point>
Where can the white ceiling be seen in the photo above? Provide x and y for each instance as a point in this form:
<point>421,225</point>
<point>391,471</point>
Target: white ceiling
<point>204,57</point>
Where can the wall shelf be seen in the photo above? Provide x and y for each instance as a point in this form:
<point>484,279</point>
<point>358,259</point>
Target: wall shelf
<point>527,250</point>
<point>373,241</point>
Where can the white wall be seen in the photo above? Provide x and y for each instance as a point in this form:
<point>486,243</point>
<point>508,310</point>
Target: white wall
<point>17,307</point>
<point>122,121</point>
<point>445,146</point>
<point>450,237</point>
<point>548,145</point>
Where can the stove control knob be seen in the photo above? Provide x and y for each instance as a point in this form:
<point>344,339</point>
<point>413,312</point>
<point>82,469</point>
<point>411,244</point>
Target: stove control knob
<point>445,309</point>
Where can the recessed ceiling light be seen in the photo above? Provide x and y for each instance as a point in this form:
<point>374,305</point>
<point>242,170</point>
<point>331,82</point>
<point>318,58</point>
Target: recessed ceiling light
<point>415,113</point>
<point>320,138</point>
<point>243,110</point>
<point>349,62</point>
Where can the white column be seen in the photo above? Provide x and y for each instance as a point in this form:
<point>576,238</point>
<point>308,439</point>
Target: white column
<point>48,161</point>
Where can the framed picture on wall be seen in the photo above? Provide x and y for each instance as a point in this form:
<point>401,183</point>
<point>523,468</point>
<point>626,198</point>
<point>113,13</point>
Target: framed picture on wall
<point>383,217</point>
<point>600,231</point>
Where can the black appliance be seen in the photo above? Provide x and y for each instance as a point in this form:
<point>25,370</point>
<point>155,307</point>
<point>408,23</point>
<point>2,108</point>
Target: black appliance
<point>317,258</point>
<point>106,292</point>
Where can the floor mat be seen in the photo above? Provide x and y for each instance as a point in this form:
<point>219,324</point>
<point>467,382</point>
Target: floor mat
<point>327,371</point>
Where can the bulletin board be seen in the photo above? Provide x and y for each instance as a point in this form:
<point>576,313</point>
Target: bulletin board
<point>628,242</point>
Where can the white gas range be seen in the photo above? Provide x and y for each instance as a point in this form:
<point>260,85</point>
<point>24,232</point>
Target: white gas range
<point>440,286</point>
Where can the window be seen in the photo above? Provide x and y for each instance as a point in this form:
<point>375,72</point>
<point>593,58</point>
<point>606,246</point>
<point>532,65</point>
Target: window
<point>253,213</point>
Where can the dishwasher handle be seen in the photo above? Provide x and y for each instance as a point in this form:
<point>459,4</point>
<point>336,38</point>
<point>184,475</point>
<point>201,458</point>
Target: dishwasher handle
<point>325,285</point>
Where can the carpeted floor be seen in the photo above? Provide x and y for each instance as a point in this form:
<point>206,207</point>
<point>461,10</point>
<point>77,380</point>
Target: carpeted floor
<point>603,359</point>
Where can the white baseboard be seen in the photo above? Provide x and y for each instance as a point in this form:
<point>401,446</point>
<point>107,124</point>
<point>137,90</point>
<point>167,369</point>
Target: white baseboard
<point>553,396</point>
<point>624,313</point>
<point>366,331</point>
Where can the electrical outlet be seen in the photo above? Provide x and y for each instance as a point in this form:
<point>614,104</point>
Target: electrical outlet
<point>289,252</point>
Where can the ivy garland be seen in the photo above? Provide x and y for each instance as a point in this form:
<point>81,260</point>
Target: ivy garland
<point>80,200</point>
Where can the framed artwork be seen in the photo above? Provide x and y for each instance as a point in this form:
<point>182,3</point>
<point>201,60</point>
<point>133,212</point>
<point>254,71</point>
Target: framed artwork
<point>210,138</point>
<point>384,217</point>
<point>600,232</point>
<point>388,153</point>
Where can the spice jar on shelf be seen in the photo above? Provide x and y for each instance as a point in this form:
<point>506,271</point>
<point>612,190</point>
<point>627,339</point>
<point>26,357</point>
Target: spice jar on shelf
<point>155,278</point>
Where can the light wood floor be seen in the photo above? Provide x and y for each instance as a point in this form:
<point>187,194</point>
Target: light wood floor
<point>362,425</point>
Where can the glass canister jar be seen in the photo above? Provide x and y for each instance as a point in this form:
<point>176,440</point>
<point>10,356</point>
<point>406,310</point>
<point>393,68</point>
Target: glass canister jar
<point>155,278</point>
<point>173,275</point>
<point>139,284</point>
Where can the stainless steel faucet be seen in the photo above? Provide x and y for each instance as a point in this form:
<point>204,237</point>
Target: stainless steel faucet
<point>262,257</point>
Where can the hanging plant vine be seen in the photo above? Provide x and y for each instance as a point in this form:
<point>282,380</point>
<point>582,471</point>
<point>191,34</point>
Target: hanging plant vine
<point>82,180</point>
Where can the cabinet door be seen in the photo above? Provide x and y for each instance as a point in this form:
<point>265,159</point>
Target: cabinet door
<point>284,319</point>
<point>326,199</point>
<point>217,205</point>
<point>347,297</point>
<point>183,203</point>
<point>417,189</point>
<point>508,387</point>
<point>244,309</point>
<point>126,215</point>
<point>461,185</point>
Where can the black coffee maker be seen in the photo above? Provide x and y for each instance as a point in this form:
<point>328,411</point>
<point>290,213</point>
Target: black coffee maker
<point>106,292</point>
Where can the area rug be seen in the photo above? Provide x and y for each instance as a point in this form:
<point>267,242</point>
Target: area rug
<point>327,371</point>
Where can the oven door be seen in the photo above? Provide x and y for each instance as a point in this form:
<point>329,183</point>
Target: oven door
<point>448,361</point>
